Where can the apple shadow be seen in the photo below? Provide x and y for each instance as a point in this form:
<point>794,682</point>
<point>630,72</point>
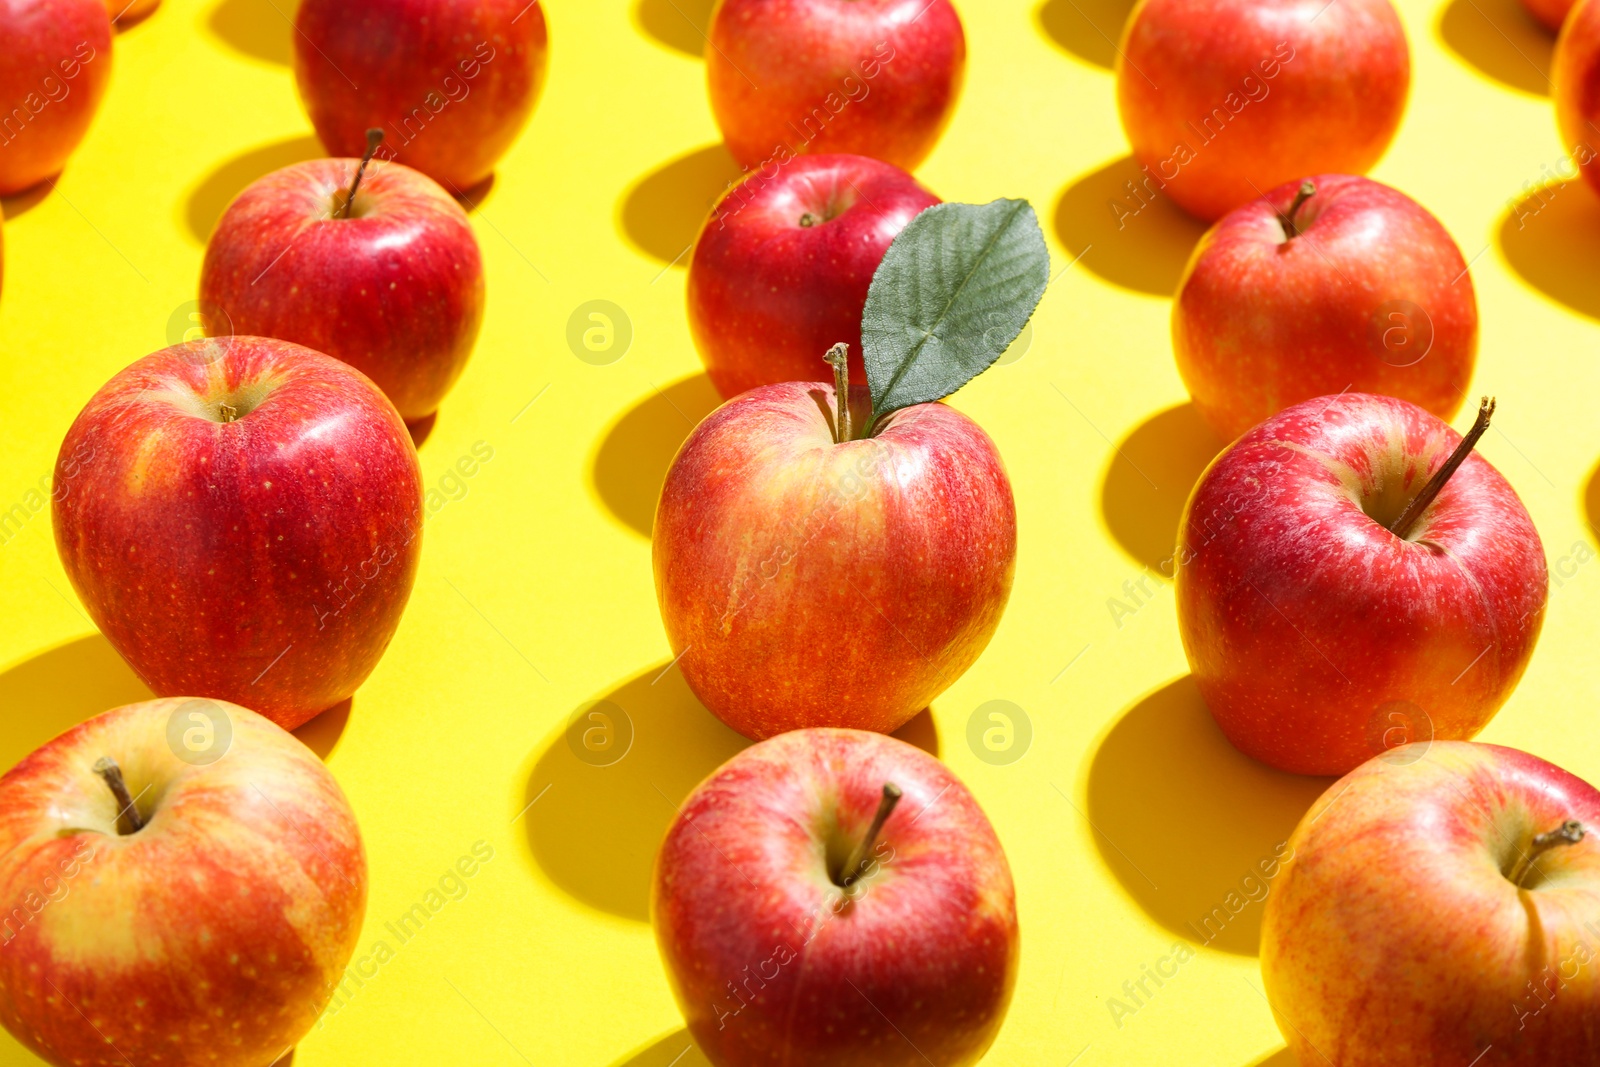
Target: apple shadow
<point>1551,238</point>
<point>18,204</point>
<point>631,461</point>
<point>1089,29</point>
<point>123,23</point>
<point>1500,40</point>
<point>473,196</point>
<point>594,830</point>
<point>1591,502</point>
<point>258,28</point>
<point>922,732</point>
<point>1282,1058</point>
<point>422,429</point>
<point>1148,479</point>
<point>53,691</point>
<point>678,24</point>
<point>321,735</point>
<point>661,214</point>
<point>1137,242</point>
<point>677,1049</point>
<point>1183,819</point>
<point>206,202</point>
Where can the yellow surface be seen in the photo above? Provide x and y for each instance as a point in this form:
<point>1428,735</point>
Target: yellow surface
<point>535,593</point>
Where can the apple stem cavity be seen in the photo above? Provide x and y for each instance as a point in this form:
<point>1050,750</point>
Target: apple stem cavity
<point>374,139</point>
<point>1419,503</point>
<point>107,768</point>
<point>856,865</point>
<point>1308,189</point>
<point>839,358</point>
<point>1568,833</point>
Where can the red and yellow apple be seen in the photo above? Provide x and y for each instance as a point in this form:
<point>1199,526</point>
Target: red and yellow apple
<point>204,924</point>
<point>1441,909</point>
<point>781,269</point>
<point>1353,286</point>
<point>867,77</point>
<point>835,898</point>
<point>394,288</point>
<point>1317,634</point>
<point>1225,99</point>
<point>805,582</point>
<point>451,84</point>
<point>242,520</point>
<point>56,65</point>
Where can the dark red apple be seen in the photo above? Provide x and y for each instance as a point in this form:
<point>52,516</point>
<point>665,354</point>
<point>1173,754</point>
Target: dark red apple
<point>243,522</point>
<point>835,898</point>
<point>809,582</point>
<point>1225,99</point>
<point>868,77</point>
<point>394,288</point>
<point>451,83</point>
<point>781,269</point>
<point>55,62</point>
<point>1352,287</point>
<point>1324,616</point>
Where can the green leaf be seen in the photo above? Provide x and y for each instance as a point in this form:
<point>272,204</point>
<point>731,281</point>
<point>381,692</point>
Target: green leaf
<point>953,291</point>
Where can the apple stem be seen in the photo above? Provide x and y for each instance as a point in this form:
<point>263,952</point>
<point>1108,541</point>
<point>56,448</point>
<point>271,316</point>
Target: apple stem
<point>839,357</point>
<point>1308,189</point>
<point>856,865</point>
<point>374,139</point>
<point>808,220</point>
<point>228,412</point>
<point>107,768</point>
<point>1419,503</point>
<point>1568,833</point>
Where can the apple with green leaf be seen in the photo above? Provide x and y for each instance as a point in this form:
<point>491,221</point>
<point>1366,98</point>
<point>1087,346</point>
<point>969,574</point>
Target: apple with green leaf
<point>829,555</point>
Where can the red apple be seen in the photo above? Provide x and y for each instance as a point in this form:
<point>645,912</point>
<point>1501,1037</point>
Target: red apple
<point>450,83</point>
<point>57,61</point>
<point>1315,634</point>
<point>1354,287</point>
<point>204,925</point>
<point>799,927</point>
<point>782,267</point>
<point>1575,86</point>
<point>1224,99</point>
<point>395,289</point>
<point>1439,910</point>
<point>870,77</point>
<point>805,582</point>
<point>243,519</point>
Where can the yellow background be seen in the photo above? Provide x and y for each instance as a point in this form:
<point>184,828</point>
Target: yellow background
<point>1128,816</point>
